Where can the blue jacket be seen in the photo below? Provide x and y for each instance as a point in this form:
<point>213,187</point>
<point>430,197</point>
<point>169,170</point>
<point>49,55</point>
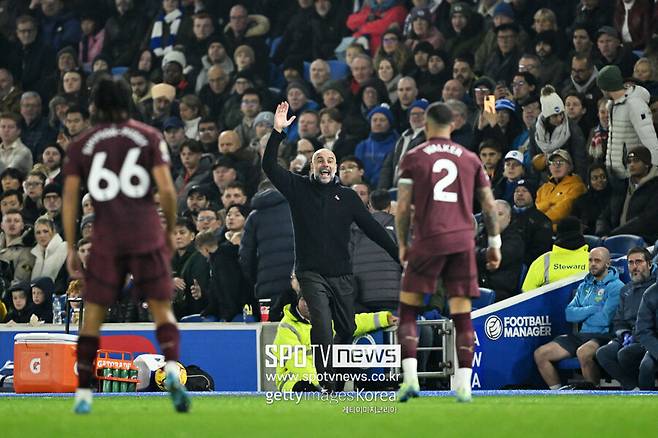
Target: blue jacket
<point>293,129</point>
<point>372,151</point>
<point>647,321</point>
<point>267,248</point>
<point>595,303</point>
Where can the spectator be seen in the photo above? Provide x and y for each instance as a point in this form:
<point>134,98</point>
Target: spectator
<point>504,279</point>
<point>591,14</point>
<point>432,82</point>
<point>374,18</point>
<point>297,94</point>
<point>377,277</point>
<point>421,57</point>
<point>20,309</point>
<point>216,92</point>
<point>207,220</point>
<point>534,226</point>
<point>208,135</point>
<point>215,56</point>
<point>371,94</point>
<point>630,124</point>
<point>597,142</point>
<point>503,13</point>
<point>465,32</point>
<point>582,40</point>
<point>577,110</point>
<point>490,155</point>
<point>393,49</point>
<point>612,52</point>
<point>10,200</point>
<point>634,210</point>
<point>504,61</point>
<point>15,246</point>
<point>140,86</point>
<point>203,29</point>
<point>422,30</point>
<point>250,107</point>
<point>412,137</point>
<point>645,74</point>
<point>33,188</point>
<point>594,305</point>
<point>188,268</point>
<point>191,112</point>
<point>267,252</point>
<point>646,328</point>
<point>246,29</point>
<point>568,257</point>
<point>197,200</point>
<point>162,105</point>
<point>174,65</point>
<point>327,28</point>
<point>633,21</point>
<point>531,63</point>
<point>10,93</point>
<point>362,71</point>
<point>263,123</point>
<point>170,27</point>
<point>407,94</point>
<point>523,85</point>
<point>363,190</point>
<point>52,203</point>
<point>552,69</point>
<point>124,32</point>
<point>34,57</point>
<point>295,39</point>
<point>583,79</point>
<point>381,141</point>
<point>513,171</point>
<point>319,75</point>
<point>621,357</point>
<point>333,136</point>
<point>502,126</point>
<point>589,206</point>
<point>350,171</point>
<point>13,153</point>
<point>92,40</point>
<point>194,170</point>
<point>554,131</point>
<point>530,112</point>
<point>50,254</point>
<point>59,26</point>
<point>173,130</point>
<point>42,299</point>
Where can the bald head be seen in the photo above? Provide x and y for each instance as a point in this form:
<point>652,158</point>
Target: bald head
<point>319,72</point>
<point>323,165</point>
<point>228,142</point>
<point>504,212</point>
<point>599,262</point>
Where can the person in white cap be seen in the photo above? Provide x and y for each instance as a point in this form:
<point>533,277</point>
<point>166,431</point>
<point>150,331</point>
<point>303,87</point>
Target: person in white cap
<point>513,171</point>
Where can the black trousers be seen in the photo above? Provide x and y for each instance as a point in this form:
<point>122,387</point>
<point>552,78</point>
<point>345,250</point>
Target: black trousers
<point>330,303</point>
<point>622,363</point>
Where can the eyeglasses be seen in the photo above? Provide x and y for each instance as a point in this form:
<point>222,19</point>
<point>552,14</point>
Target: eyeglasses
<point>390,39</point>
<point>205,219</point>
<point>250,102</point>
<point>482,90</point>
<point>557,163</point>
<point>636,262</point>
<point>518,83</point>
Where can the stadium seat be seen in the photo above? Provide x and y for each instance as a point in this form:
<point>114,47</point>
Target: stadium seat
<point>593,241</point>
<point>621,263</point>
<point>274,43</point>
<point>569,364</point>
<point>339,69</point>
<point>119,71</point>
<point>619,245</point>
<point>487,296</point>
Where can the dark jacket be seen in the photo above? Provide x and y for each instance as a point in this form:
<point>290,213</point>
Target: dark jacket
<point>630,297</point>
<point>376,276</point>
<point>230,289</point>
<point>295,39</point>
<point>537,231</point>
<point>641,214</point>
<point>123,36</point>
<point>322,215</point>
<point>640,23</point>
<point>267,250</point>
<point>505,279</point>
<point>408,141</point>
<point>60,30</point>
<point>190,266</point>
<point>575,145</point>
<point>646,325</point>
<point>35,62</point>
<point>328,31</point>
<point>502,67</point>
<point>589,207</point>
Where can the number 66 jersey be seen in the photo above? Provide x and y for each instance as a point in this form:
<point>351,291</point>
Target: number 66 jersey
<point>445,176</point>
<point>114,162</point>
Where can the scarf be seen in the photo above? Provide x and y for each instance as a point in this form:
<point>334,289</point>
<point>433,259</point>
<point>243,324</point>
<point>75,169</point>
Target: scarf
<point>583,88</point>
<point>548,142</point>
<point>173,20</point>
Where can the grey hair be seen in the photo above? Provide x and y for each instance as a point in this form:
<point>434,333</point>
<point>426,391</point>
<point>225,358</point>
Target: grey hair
<point>30,95</point>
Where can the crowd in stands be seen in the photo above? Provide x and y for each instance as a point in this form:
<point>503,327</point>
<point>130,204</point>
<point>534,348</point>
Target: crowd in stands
<point>559,99</point>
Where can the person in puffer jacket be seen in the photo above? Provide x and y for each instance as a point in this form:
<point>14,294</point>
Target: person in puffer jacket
<point>593,305</point>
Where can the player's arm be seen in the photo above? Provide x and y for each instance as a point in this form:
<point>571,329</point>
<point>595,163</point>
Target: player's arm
<point>490,217</point>
<point>70,202</point>
<point>403,214</point>
<point>167,192</point>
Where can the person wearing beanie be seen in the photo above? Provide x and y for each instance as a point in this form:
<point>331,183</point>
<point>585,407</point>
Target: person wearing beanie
<point>552,131</point>
<point>630,122</point>
<point>589,206</point>
<point>465,32</point>
<point>635,209</point>
<point>568,256</point>
<point>593,307</point>
<point>373,150</point>
<point>298,96</point>
<point>536,228</point>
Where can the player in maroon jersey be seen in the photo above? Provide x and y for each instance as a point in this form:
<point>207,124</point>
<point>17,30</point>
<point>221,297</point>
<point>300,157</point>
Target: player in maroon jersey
<point>440,179</point>
<point>118,161</point>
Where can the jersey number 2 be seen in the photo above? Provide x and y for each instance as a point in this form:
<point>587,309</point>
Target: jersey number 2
<point>440,194</point>
<point>133,180</point>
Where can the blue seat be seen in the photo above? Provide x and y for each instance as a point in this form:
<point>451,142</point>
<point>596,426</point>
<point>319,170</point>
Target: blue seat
<point>192,318</point>
<point>274,43</point>
<point>619,245</point>
<point>339,69</point>
<point>593,241</point>
<point>394,193</point>
<point>569,364</point>
<point>487,297</point>
<point>524,271</point>
<point>119,71</point>
<point>621,263</point>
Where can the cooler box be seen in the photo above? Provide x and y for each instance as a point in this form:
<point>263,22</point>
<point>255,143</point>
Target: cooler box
<point>45,362</point>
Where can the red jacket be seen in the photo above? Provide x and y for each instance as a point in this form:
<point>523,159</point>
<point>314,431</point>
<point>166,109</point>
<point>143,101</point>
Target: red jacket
<point>640,21</point>
<point>380,22</point>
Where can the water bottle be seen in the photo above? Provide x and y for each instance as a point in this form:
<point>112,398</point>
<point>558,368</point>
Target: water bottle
<point>57,310</point>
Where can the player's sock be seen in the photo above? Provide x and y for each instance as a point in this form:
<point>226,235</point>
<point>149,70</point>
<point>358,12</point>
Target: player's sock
<point>465,344</point>
<point>169,339</point>
<point>408,338</point>
<point>83,399</point>
<point>87,348</point>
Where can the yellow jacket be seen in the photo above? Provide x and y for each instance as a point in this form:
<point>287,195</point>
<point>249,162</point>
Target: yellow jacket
<point>293,332</point>
<point>556,199</point>
<point>554,265</point>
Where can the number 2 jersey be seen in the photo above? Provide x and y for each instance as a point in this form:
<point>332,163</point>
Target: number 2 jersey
<point>445,176</point>
<point>114,162</point>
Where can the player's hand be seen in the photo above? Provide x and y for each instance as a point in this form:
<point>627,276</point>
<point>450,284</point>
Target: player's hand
<point>281,120</point>
<point>195,290</point>
<point>493,258</point>
<point>73,264</point>
<point>179,283</point>
<point>402,254</point>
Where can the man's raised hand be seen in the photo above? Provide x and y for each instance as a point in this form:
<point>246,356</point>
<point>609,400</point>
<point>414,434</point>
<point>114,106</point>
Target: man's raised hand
<point>281,120</point>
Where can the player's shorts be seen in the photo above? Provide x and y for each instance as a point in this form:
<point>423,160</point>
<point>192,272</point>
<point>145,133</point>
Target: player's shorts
<point>572,341</point>
<point>458,272</point>
<point>106,276</point>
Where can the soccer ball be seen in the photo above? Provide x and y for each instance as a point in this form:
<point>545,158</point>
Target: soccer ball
<point>161,376</point>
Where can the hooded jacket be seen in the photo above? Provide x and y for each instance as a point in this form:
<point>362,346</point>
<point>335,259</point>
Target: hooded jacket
<point>555,199</point>
<point>17,253</point>
<point>294,330</point>
<point>630,297</point>
<point>377,277</point>
<point>630,125</point>
<point>267,249</point>
<point>595,303</point>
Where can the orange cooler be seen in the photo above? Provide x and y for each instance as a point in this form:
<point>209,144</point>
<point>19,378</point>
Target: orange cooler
<point>45,362</point>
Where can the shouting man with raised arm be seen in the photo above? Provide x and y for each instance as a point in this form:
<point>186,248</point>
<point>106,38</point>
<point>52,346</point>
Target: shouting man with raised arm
<point>322,212</point>
<point>440,178</point>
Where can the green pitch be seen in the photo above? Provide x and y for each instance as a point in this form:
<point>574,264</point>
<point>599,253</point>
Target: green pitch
<point>524,416</point>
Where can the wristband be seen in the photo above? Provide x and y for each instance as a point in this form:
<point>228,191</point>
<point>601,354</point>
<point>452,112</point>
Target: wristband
<point>495,241</point>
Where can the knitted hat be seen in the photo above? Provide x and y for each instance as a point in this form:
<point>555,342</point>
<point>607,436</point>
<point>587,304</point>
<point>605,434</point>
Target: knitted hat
<point>460,8</point>
<point>610,79</point>
<point>383,109</point>
<point>642,153</point>
<point>175,56</point>
<point>87,219</point>
<point>505,104</point>
<point>52,188</point>
<point>421,13</point>
<point>264,117</point>
<point>528,185</point>
<point>299,86</point>
<point>335,85</point>
<point>419,103</point>
<point>504,9</point>
<point>569,234</point>
<point>551,103</point>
